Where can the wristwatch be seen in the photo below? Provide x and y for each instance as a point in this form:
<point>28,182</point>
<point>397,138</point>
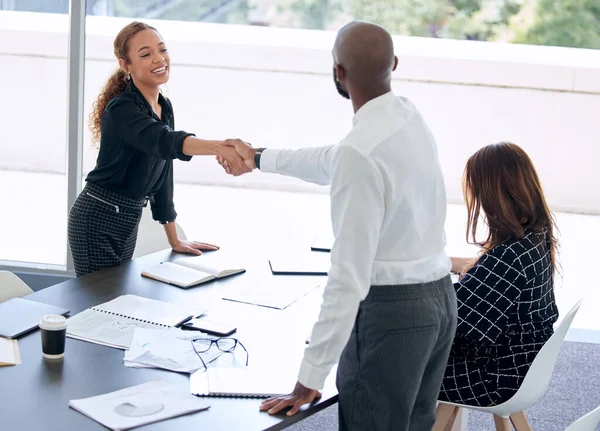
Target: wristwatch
<point>257,157</point>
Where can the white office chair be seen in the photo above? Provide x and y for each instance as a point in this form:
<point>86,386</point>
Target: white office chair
<point>588,422</point>
<point>534,385</point>
<point>12,286</point>
<point>151,235</point>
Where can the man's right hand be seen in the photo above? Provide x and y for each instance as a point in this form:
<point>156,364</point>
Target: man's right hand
<point>232,159</point>
<point>243,149</point>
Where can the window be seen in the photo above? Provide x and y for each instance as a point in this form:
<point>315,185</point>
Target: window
<point>222,84</point>
<point>569,23</point>
<point>33,136</point>
<point>257,79</point>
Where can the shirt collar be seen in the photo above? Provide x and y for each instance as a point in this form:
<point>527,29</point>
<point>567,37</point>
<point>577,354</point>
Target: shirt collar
<point>373,106</point>
<point>166,109</point>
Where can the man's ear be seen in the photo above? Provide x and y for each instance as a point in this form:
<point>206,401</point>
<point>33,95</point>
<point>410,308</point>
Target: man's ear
<point>395,63</point>
<point>340,73</point>
<point>123,65</point>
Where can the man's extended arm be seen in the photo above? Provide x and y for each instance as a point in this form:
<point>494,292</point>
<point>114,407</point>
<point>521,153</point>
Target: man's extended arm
<point>308,164</point>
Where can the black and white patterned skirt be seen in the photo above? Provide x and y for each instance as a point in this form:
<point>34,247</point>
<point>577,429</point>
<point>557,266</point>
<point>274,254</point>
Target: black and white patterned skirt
<point>103,228</point>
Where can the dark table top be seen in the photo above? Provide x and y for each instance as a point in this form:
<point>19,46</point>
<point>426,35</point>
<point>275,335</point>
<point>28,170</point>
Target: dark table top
<point>35,395</point>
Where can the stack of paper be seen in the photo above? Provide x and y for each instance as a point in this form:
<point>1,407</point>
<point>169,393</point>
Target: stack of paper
<point>167,348</point>
<point>9,352</point>
<point>138,405</point>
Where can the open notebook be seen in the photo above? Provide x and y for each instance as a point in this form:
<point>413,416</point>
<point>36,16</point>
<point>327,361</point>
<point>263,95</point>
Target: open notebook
<point>188,272</point>
<point>239,382</point>
<point>113,323</point>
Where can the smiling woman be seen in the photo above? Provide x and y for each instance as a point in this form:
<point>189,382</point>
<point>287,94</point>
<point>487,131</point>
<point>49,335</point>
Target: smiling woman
<point>133,124</point>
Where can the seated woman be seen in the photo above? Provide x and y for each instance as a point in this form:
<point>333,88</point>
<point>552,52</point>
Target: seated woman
<point>506,306</point>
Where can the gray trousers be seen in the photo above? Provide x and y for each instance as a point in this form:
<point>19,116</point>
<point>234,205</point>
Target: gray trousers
<point>391,370</point>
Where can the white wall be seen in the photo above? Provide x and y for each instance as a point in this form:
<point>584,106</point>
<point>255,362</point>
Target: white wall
<point>273,87</point>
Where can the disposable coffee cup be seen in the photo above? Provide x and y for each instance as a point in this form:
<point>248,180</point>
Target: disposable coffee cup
<point>53,328</point>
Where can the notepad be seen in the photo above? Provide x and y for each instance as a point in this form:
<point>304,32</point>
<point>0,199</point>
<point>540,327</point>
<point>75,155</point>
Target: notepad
<point>310,263</point>
<point>9,352</point>
<point>113,323</point>
<point>239,382</point>
<point>188,272</point>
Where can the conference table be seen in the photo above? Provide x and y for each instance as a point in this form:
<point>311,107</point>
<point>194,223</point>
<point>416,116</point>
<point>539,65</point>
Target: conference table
<point>35,395</point>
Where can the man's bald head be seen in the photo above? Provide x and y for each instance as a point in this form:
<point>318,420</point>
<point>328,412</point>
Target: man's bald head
<point>365,54</point>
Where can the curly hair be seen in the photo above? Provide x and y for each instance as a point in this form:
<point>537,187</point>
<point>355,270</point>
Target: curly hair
<point>117,83</point>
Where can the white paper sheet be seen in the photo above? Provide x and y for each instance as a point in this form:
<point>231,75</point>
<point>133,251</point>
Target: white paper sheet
<point>272,293</point>
<point>151,402</point>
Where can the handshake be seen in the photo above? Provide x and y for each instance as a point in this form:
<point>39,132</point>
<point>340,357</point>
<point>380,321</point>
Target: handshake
<point>236,156</point>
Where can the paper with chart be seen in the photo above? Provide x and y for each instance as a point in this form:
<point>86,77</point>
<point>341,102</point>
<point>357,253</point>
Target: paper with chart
<point>272,293</point>
<point>167,348</point>
<point>139,405</point>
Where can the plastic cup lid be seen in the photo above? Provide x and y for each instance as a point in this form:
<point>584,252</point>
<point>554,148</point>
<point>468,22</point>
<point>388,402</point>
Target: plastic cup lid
<point>53,321</point>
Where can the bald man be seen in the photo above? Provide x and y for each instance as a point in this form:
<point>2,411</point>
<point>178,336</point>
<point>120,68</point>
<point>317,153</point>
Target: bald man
<point>389,309</point>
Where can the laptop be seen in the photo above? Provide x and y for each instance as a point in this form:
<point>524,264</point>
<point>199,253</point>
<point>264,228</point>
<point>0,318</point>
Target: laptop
<point>19,316</point>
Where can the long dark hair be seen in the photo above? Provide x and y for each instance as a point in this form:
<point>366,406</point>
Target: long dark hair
<point>117,83</point>
<point>500,179</point>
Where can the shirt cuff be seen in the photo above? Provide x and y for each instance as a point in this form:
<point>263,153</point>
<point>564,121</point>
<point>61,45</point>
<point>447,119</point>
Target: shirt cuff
<point>268,160</point>
<point>311,376</point>
<point>164,214</point>
<point>179,146</point>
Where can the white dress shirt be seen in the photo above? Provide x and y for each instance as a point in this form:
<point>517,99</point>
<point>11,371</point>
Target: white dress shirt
<point>388,208</point>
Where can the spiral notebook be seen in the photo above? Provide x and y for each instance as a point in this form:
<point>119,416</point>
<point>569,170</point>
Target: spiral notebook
<point>239,382</point>
<point>113,323</point>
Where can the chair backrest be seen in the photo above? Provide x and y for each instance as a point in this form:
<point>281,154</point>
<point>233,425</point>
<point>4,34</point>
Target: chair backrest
<point>12,286</point>
<point>151,235</point>
<point>538,377</point>
<point>588,422</point>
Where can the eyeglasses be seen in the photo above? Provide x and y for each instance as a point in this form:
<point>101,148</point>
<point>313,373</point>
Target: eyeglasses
<point>226,345</point>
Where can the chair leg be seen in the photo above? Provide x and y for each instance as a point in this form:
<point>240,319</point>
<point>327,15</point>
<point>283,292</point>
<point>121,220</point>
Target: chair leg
<point>502,424</point>
<point>452,419</point>
<point>444,416</point>
<point>462,420</point>
<point>520,422</point>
